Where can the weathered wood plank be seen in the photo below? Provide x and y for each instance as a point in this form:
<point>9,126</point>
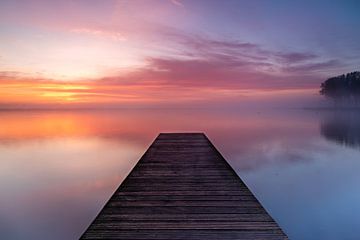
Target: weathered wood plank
<point>182,188</point>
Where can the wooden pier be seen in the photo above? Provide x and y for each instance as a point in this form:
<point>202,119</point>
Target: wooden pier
<point>182,188</point>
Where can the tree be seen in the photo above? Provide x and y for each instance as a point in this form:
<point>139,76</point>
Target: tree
<point>344,88</point>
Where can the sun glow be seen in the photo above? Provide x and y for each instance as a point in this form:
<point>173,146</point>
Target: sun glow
<point>63,87</point>
<point>66,96</point>
<point>63,92</point>
<point>15,91</point>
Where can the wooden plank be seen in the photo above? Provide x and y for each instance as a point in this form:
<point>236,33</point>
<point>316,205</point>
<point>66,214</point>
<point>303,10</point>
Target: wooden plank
<point>182,188</point>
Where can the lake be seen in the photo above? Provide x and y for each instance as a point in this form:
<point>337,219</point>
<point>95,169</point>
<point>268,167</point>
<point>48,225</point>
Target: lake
<point>58,168</point>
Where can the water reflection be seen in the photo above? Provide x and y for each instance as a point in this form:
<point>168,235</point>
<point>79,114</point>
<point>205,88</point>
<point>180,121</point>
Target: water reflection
<point>342,127</point>
<point>57,169</point>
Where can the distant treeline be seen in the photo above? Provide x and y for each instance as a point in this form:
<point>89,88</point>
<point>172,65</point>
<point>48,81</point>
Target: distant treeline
<point>344,88</point>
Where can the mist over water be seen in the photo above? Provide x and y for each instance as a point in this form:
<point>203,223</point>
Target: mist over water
<point>58,168</point>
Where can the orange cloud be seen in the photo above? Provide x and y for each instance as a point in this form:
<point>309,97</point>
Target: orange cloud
<point>215,71</point>
<point>38,91</point>
<point>127,91</point>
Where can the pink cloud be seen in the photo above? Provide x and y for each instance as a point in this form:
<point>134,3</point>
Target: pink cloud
<point>177,3</point>
<point>113,35</point>
<point>316,66</point>
<point>296,57</point>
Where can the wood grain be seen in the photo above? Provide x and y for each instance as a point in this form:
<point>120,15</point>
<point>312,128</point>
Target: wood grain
<point>182,188</point>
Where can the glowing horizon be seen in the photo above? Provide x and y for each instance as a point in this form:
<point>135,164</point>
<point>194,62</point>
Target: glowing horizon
<point>149,52</point>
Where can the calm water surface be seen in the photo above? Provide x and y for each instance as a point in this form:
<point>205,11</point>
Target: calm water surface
<point>58,168</point>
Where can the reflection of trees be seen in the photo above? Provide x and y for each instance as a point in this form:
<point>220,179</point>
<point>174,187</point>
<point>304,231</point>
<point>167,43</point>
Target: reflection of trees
<point>342,127</point>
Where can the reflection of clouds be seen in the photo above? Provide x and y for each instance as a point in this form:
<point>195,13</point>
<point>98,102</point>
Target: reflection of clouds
<point>315,194</point>
<point>19,126</point>
<point>266,139</point>
<point>54,186</point>
<point>8,227</point>
<point>275,151</point>
<point>73,204</point>
<point>342,127</point>
<point>234,132</point>
<point>67,163</point>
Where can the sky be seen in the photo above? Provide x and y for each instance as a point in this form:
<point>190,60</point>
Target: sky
<point>172,52</point>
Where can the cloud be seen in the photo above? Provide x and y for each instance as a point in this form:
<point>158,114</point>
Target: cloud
<point>204,62</point>
<point>177,3</point>
<point>165,82</point>
<point>315,66</point>
<point>296,57</point>
<point>201,68</point>
<point>113,35</point>
<point>217,74</point>
<point>197,45</point>
<point>258,59</point>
